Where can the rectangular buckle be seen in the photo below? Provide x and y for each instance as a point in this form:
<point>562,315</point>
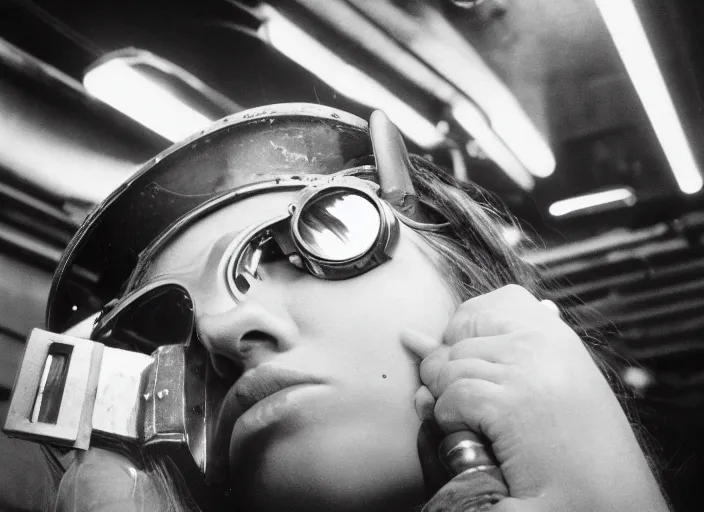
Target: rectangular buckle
<point>75,364</point>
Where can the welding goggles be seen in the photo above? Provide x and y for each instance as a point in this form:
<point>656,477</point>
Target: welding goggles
<point>144,378</point>
<point>336,227</point>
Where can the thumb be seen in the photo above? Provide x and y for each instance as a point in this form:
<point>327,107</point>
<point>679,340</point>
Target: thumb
<point>419,344</point>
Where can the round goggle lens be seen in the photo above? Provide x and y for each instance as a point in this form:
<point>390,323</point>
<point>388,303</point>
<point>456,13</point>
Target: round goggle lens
<point>339,225</point>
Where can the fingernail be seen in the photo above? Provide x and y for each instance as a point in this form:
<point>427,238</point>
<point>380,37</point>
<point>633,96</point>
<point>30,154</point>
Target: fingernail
<point>424,409</point>
<point>420,344</point>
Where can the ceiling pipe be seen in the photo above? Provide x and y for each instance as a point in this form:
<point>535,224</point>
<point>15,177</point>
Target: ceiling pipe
<point>427,34</point>
<point>57,137</point>
<point>355,26</point>
<point>390,34</point>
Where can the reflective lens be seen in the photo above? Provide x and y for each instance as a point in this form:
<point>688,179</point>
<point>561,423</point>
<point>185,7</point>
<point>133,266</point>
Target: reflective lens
<point>260,249</point>
<point>339,225</point>
<point>247,264</point>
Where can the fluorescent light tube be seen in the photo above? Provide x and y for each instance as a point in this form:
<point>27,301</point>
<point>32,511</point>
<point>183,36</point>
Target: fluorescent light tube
<point>632,44</point>
<point>607,197</point>
<point>298,46</point>
<point>525,142</point>
<point>430,35</point>
<point>144,100</point>
<point>476,124</point>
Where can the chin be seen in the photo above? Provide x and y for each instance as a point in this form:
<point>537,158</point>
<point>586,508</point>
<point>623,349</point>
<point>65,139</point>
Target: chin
<point>343,469</point>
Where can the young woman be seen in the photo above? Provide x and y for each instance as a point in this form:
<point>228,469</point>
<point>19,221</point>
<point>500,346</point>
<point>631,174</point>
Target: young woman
<point>353,316</point>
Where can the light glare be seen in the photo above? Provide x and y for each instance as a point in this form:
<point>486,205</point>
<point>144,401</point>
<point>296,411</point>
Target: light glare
<point>346,79</point>
<point>144,100</point>
<point>477,126</point>
<point>573,204</point>
<point>447,51</point>
<point>632,44</point>
<point>512,235</point>
<point>525,141</point>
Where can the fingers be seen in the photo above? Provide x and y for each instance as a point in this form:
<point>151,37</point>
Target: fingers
<point>501,311</point>
<point>432,365</point>
<point>441,369</point>
<point>473,320</point>
<point>493,349</point>
<point>454,371</point>
<point>484,345</point>
<point>462,402</point>
<point>479,358</point>
<point>424,403</point>
<point>496,313</point>
<point>468,404</point>
<point>419,344</point>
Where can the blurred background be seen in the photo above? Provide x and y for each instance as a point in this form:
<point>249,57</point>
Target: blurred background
<point>583,116</point>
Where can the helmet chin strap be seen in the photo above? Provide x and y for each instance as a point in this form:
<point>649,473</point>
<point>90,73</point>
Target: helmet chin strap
<point>394,168</point>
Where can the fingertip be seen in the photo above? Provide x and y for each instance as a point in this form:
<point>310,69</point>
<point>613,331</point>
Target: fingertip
<point>420,344</point>
<point>424,403</point>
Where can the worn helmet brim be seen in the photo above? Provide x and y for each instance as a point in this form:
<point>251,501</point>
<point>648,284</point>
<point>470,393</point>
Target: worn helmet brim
<point>248,147</point>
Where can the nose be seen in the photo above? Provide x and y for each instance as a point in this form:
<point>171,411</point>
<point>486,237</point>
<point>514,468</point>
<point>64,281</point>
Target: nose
<point>246,335</point>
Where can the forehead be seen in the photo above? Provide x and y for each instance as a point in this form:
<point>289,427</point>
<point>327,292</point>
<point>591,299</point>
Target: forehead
<point>228,220</point>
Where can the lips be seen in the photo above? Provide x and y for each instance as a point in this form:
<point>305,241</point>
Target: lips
<point>257,384</point>
<point>237,419</point>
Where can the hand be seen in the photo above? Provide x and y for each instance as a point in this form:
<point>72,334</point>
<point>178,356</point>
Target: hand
<point>511,370</point>
<point>103,481</point>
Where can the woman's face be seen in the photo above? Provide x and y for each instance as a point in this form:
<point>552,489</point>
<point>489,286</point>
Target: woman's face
<point>342,433</point>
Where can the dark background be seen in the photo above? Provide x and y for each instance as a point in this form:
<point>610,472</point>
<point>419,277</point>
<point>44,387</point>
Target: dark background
<point>640,269</point>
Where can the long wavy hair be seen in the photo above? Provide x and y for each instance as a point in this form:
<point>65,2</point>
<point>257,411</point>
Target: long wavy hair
<point>476,259</point>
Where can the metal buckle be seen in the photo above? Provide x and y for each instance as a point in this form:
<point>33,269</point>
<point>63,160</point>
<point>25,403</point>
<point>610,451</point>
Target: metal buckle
<point>156,401</point>
<point>79,380</point>
<point>100,390</point>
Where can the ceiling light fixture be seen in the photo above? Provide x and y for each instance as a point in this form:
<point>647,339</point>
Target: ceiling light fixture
<point>525,142</point>
<point>467,4</point>
<point>601,200</point>
<point>438,42</point>
<point>627,32</point>
<point>476,124</point>
<point>303,49</point>
<point>143,99</point>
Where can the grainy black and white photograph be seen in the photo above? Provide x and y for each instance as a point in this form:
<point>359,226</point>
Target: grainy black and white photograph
<point>351,256</point>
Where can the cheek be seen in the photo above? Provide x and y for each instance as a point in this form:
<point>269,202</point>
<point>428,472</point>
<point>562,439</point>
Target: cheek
<point>407,292</point>
<point>359,321</point>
